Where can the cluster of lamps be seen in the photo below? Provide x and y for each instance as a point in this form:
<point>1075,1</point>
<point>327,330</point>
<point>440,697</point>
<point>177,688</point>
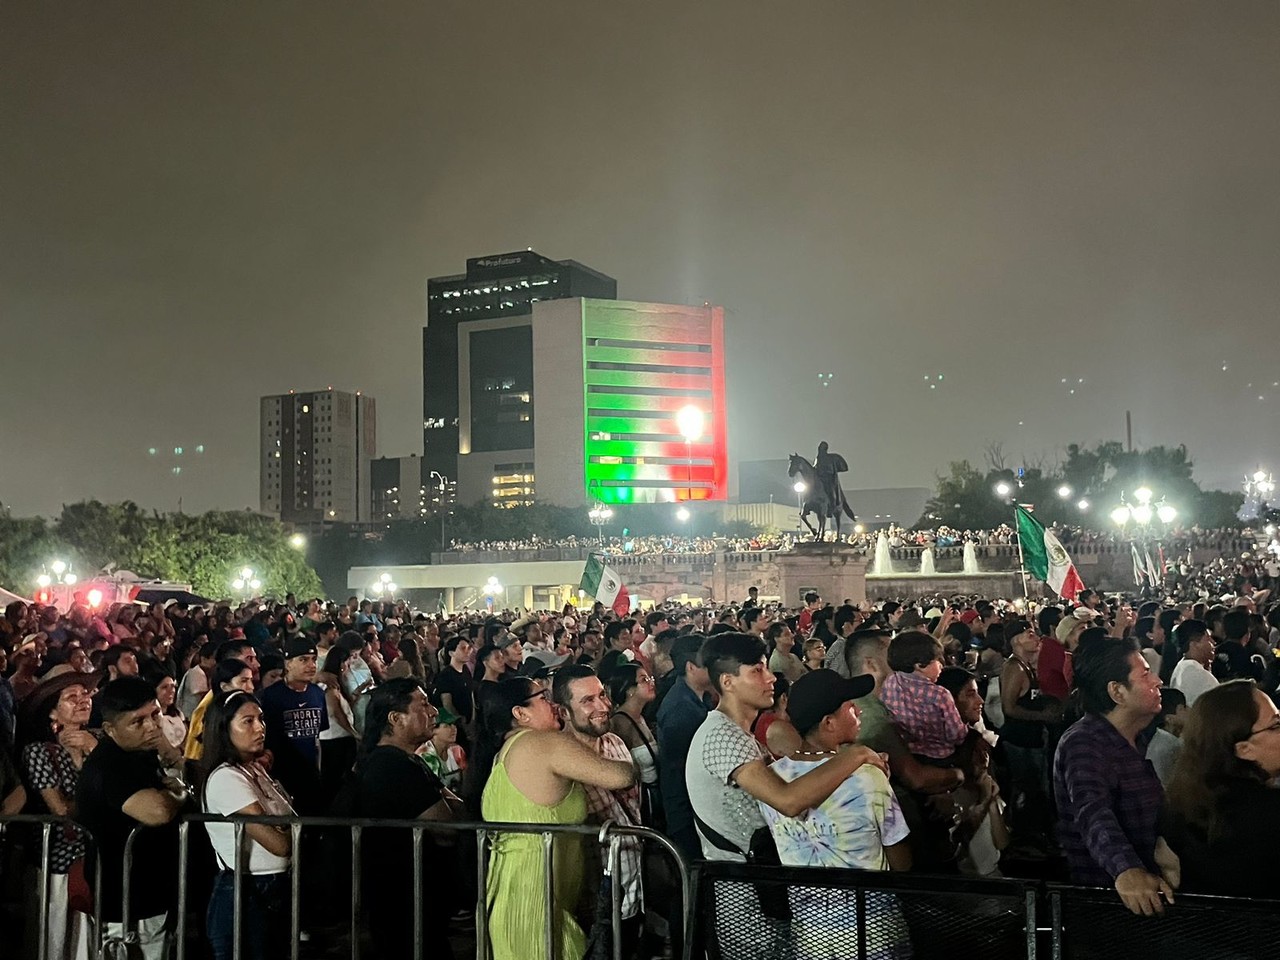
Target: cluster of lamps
<point>1143,510</point>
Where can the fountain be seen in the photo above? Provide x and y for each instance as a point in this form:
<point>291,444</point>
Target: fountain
<point>970,558</point>
<point>927,568</point>
<point>882,566</point>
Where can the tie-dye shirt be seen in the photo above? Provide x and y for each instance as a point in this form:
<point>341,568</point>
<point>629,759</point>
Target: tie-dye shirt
<point>851,828</point>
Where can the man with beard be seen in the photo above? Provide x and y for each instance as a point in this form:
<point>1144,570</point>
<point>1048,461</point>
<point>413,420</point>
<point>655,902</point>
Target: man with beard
<point>585,708</point>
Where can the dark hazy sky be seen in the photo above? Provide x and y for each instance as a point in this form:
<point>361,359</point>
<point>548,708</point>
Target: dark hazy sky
<point>201,203</point>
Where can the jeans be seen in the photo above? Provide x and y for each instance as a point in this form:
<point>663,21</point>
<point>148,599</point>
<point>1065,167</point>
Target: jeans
<point>265,921</point>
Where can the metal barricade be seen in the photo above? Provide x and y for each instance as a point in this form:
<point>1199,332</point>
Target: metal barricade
<point>47,823</point>
<point>610,836</point>
<point>1091,923</point>
<point>749,911</point>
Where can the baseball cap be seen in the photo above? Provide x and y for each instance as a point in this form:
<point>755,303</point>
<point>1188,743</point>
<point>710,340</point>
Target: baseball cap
<point>822,692</point>
<point>443,716</point>
<point>504,640</point>
<point>540,663</point>
<point>298,647</point>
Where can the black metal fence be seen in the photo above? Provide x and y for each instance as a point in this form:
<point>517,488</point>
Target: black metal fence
<point>729,911</point>
<point>800,913</point>
<point>1092,924</point>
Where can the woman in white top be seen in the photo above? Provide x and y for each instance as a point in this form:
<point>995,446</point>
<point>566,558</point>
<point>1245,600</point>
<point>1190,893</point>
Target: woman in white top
<point>632,689</point>
<point>237,784</point>
<point>338,743</point>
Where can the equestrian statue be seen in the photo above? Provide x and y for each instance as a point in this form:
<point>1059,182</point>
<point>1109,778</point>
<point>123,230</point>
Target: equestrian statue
<point>823,495</point>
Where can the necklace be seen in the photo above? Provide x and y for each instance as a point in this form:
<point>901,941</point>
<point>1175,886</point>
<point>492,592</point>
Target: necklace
<point>815,753</point>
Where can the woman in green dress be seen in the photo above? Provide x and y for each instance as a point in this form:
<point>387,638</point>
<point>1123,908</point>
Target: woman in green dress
<point>537,777</point>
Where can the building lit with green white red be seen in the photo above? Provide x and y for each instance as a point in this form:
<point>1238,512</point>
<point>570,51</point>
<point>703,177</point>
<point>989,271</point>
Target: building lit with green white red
<point>570,399</point>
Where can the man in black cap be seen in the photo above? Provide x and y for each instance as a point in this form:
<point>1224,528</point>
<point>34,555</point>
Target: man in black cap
<point>859,826</point>
<point>295,713</point>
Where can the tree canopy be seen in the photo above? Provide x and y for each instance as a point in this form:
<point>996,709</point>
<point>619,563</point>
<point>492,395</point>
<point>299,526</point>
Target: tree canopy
<point>1101,476</point>
<point>205,550</point>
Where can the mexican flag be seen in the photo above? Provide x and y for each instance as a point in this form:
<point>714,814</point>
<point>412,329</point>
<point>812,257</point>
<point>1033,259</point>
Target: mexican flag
<point>1044,557</point>
<point>604,584</point>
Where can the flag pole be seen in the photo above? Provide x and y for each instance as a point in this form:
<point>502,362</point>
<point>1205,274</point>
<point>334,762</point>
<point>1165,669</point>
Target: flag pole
<point>1022,566</point>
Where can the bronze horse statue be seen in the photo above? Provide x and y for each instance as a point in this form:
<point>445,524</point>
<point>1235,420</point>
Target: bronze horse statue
<point>817,498</point>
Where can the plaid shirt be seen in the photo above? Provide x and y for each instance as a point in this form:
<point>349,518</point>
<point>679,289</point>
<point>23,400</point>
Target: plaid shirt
<point>924,713</point>
<point>1109,801</point>
<point>623,808</point>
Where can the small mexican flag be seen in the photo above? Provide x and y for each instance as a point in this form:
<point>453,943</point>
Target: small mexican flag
<point>1044,557</point>
<point>605,585</point>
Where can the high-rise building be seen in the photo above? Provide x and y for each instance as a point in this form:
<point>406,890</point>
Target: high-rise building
<point>315,451</point>
<point>479,326</point>
<point>630,407</point>
<point>403,489</point>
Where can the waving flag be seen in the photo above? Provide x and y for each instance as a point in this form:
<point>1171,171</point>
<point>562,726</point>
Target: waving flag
<point>603,584</point>
<point>1045,558</point>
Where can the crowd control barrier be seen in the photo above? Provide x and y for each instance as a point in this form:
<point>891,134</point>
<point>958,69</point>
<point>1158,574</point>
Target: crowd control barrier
<point>1092,924</point>
<point>43,825</point>
<point>797,913</point>
<point>733,911</point>
<point>610,837</point>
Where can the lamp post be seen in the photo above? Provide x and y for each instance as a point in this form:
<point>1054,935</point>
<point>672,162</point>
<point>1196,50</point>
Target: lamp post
<point>62,576</point>
<point>1260,485</point>
<point>246,582</point>
<point>1005,491</point>
<point>384,587</point>
<point>1141,517</point>
<point>491,590</point>
<point>599,516</point>
<point>690,421</point>
<point>298,542</point>
<point>442,500</point>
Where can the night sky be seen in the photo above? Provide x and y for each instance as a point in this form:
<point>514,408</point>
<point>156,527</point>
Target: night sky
<point>201,203</point>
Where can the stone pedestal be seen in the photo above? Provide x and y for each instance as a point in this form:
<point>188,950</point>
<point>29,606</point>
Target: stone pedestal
<point>835,570</point>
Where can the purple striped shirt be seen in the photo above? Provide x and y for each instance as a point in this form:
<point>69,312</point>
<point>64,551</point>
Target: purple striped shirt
<point>1109,801</point>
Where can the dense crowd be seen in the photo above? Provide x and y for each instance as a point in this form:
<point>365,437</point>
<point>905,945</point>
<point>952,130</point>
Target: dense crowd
<point>1176,543</point>
<point>1119,744</point>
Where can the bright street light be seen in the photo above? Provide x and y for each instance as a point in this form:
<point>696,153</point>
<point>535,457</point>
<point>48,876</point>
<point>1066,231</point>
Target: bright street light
<point>1003,489</point>
<point>298,541</point>
<point>1143,495</point>
<point>44,580</point>
<point>1120,515</point>
<point>1064,491</point>
<point>1166,513</point>
<point>682,514</point>
<point>59,567</point>
<point>246,573</point>
<point>800,486</point>
<point>1143,513</point>
<point>689,420</point>
<point>1083,505</point>
<point>70,579</point>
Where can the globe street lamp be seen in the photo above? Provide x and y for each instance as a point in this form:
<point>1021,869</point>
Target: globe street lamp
<point>246,582</point>
<point>1003,489</point>
<point>298,541</point>
<point>599,516</point>
<point>62,575</point>
<point>683,514</point>
<point>1260,486</point>
<point>1064,492</point>
<point>491,590</point>
<point>385,586</point>
<point>1141,518</point>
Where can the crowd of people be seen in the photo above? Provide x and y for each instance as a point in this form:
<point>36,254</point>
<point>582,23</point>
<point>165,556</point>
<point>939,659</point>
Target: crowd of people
<point>1176,545</point>
<point>1103,741</point>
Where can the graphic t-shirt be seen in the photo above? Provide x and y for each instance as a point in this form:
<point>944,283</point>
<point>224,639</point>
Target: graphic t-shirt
<point>295,718</point>
<point>851,828</point>
<point>718,749</point>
